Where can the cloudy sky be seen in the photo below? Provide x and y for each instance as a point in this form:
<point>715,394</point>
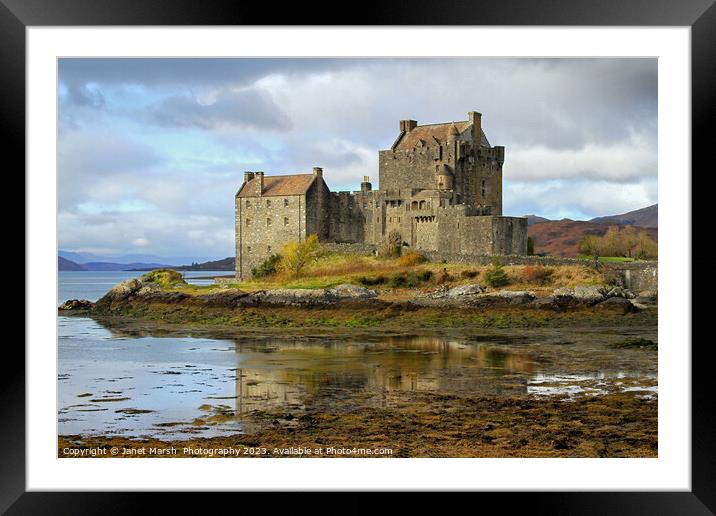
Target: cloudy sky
<point>151,151</point>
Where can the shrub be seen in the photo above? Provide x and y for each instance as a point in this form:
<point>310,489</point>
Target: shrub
<point>296,255</point>
<point>369,282</point>
<point>163,278</point>
<point>496,276</point>
<point>537,274</point>
<point>470,274</point>
<point>444,277</point>
<point>411,258</point>
<point>425,275</point>
<point>267,267</point>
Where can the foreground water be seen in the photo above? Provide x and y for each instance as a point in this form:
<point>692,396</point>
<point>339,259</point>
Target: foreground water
<point>114,382</point>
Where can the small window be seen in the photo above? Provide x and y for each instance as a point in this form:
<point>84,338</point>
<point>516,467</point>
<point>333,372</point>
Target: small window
<point>285,221</point>
<point>268,222</point>
<point>398,219</point>
<point>248,203</point>
<point>248,222</point>
<point>269,248</point>
<point>285,203</point>
<point>248,248</point>
<point>268,203</point>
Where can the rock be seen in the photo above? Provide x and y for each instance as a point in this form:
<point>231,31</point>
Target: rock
<point>292,296</point>
<point>590,293</point>
<point>513,297</point>
<point>563,292</point>
<point>348,291</point>
<point>464,290</point>
<point>122,291</point>
<point>620,292</point>
<point>618,304</point>
<point>76,304</point>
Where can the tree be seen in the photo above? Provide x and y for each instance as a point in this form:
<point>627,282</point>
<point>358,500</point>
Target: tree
<point>296,255</point>
<point>496,276</point>
<point>628,242</point>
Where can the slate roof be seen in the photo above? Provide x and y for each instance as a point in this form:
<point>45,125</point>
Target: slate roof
<point>294,184</point>
<point>429,133</point>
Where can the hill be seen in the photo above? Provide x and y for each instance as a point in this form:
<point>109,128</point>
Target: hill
<point>535,219</point>
<point>63,264</point>
<point>226,264</point>
<point>645,217</point>
<point>561,237</point>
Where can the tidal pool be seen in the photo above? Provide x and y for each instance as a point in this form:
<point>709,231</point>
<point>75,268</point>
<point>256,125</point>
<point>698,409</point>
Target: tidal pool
<point>115,383</point>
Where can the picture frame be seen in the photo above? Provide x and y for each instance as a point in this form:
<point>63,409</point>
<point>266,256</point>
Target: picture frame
<point>700,15</point>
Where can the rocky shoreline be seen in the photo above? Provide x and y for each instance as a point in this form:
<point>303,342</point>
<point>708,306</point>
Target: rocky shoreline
<point>141,292</point>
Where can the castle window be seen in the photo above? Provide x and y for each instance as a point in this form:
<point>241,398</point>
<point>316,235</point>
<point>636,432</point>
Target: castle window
<point>268,203</point>
<point>285,221</point>
<point>248,203</point>
<point>268,222</point>
<point>285,203</point>
<point>269,249</point>
<point>398,219</point>
<point>484,190</point>
<point>248,248</point>
<point>248,222</point>
<point>422,205</point>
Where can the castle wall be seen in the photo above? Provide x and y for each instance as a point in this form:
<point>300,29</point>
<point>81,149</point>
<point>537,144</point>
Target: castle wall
<point>509,235</point>
<point>264,225</point>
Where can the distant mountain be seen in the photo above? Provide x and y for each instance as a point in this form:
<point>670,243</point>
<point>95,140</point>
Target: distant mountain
<point>227,264</point>
<point>110,266</point>
<point>562,237</point>
<point>645,217</point>
<point>130,259</point>
<point>63,264</point>
<point>535,219</point>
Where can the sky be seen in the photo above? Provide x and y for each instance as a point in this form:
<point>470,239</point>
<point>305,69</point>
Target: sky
<point>152,151</point>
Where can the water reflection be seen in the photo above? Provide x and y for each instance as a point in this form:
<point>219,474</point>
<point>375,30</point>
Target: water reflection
<point>132,382</point>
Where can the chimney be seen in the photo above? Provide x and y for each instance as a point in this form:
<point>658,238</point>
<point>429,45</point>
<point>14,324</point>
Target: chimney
<point>259,183</point>
<point>407,125</point>
<point>365,186</point>
<point>476,119</point>
<point>248,176</point>
<point>317,171</point>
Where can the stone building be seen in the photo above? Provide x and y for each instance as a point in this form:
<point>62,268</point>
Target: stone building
<point>440,190</point>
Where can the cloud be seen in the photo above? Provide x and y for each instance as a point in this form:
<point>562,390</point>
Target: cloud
<point>244,108</point>
<point>151,151</point>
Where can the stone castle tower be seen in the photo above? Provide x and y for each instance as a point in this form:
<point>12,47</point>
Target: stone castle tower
<point>440,189</point>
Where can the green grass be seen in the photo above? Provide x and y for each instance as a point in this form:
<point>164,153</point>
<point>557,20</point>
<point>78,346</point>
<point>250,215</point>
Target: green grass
<point>608,259</point>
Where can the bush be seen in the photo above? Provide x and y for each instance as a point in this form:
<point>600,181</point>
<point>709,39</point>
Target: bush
<point>444,277</point>
<point>411,258</point>
<point>496,276</point>
<point>163,278</point>
<point>470,274</point>
<point>267,268</point>
<point>369,282</point>
<point>537,274</point>
<point>296,255</point>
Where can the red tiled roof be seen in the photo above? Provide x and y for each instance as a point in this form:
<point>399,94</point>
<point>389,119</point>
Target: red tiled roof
<point>294,184</point>
<point>429,133</point>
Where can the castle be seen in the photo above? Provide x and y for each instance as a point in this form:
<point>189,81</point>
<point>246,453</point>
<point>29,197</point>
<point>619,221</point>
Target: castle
<point>440,190</point>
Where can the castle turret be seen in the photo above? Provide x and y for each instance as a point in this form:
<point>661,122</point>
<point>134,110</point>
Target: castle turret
<point>476,119</point>
<point>444,178</point>
<point>365,186</point>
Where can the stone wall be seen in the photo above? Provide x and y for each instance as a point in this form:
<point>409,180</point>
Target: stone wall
<point>264,225</point>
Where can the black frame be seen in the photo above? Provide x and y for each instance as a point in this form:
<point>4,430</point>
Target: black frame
<point>700,15</point>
